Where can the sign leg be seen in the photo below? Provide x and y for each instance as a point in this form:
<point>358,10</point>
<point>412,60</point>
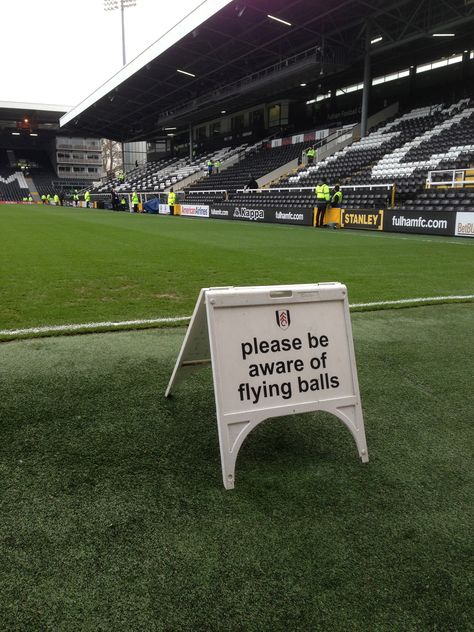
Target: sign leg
<point>231,437</point>
<point>351,416</point>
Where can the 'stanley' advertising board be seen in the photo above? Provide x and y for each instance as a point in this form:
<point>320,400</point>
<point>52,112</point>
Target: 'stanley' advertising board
<point>274,350</point>
<point>362,219</point>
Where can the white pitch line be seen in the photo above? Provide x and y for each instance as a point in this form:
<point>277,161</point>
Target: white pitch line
<point>154,321</point>
<point>407,301</point>
<point>80,326</point>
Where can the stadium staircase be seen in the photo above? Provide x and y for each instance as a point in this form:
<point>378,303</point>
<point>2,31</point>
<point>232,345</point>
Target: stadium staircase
<point>32,189</point>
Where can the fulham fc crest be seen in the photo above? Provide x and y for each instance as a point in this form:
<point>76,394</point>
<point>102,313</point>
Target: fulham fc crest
<point>283,318</point>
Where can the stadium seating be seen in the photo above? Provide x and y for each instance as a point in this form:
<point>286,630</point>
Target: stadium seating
<point>257,163</point>
<point>159,175</point>
<point>400,151</point>
<point>10,188</point>
<point>440,200</point>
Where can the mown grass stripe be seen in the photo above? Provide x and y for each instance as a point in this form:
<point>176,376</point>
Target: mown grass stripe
<point>124,324</point>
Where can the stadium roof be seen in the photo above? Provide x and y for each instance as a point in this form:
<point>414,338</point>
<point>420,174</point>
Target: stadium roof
<point>237,55</point>
<point>45,112</point>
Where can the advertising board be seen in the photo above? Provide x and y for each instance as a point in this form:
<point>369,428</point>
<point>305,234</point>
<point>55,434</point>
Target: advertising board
<point>425,223</point>
<point>262,213</point>
<point>464,224</point>
<point>365,219</point>
<point>194,210</point>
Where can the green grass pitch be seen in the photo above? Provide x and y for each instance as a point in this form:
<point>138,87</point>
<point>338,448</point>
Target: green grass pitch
<point>66,265</point>
<point>112,511</point>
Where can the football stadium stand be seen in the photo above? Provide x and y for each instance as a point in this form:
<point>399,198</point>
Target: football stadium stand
<point>384,110</point>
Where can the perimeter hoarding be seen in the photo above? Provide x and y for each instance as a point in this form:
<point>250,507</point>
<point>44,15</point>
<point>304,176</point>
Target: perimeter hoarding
<point>194,210</point>
<point>464,224</point>
<point>365,219</point>
<point>262,213</point>
<point>424,223</point>
<point>274,351</point>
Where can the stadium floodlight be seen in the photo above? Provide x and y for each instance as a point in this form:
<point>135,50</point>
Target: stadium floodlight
<point>273,17</point>
<point>444,34</point>
<point>376,40</point>
<point>169,128</point>
<point>311,101</point>
<point>15,133</point>
<point>185,72</point>
<point>112,5</point>
<point>223,111</point>
<point>303,85</point>
<point>33,134</point>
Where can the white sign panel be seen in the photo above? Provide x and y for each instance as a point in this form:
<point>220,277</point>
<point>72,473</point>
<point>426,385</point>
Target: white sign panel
<point>275,350</point>
<point>464,224</point>
<point>163,209</point>
<point>194,210</point>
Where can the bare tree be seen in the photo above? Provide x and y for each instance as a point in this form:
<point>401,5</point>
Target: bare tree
<point>111,156</point>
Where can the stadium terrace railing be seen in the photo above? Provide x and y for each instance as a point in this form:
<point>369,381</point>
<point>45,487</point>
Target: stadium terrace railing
<point>144,196</point>
<point>385,186</point>
<point>223,191</point>
<point>390,188</point>
<point>452,178</point>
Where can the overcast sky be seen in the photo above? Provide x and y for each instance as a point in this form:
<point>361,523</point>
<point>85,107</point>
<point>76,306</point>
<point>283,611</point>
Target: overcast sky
<point>60,51</point>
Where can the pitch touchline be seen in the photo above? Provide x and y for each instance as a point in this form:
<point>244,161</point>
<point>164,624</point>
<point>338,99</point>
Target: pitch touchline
<point>404,301</point>
<point>176,319</point>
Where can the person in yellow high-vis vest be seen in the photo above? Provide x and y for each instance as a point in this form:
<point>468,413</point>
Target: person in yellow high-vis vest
<point>87,198</point>
<point>171,200</point>
<point>336,197</point>
<point>135,202</point>
<point>322,199</point>
<point>310,154</point>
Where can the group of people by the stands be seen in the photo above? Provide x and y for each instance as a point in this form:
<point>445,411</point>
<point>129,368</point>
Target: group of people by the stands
<point>325,198</point>
<point>59,198</point>
<point>122,204</point>
<point>213,167</point>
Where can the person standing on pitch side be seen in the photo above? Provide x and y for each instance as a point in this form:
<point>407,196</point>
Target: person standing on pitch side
<point>322,199</point>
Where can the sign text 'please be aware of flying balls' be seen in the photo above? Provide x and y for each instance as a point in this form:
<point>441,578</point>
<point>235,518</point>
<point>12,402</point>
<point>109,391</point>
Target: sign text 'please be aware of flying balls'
<point>274,350</point>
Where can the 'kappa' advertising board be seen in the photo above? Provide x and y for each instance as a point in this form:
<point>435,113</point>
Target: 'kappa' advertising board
<point>191,210</point>
<point>464,224</point>
<point>273,215</point>
<point>427,223</point>
<point>362,219</point>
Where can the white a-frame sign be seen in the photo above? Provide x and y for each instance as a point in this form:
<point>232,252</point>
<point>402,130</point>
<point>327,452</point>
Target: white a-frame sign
<point>274,350</point>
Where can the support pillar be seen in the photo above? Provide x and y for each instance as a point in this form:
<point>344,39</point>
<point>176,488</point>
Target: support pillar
<point>367,84</point>
<point>190,142</point>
